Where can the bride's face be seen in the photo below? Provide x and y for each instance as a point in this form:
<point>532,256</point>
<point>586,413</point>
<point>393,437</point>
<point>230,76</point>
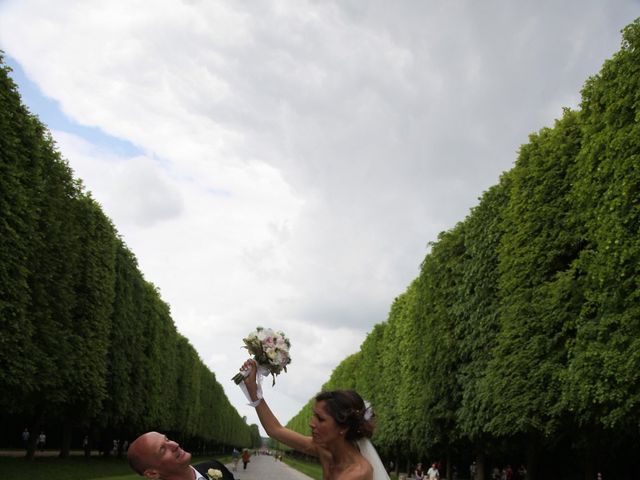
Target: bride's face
<point>324,428</point>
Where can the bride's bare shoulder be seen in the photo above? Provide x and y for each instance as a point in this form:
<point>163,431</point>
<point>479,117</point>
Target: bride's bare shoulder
<point>360,470</point>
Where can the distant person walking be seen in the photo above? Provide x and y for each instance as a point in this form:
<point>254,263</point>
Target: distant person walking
<point>25,435</point>
<point>433,473</point>
<point>246,455</point>
<point>522,472</point>
<point>86,447</point>
<point>236,458</point>
<point>42,441</point>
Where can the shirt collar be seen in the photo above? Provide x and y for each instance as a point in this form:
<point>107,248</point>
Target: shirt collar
<point>197,474</point>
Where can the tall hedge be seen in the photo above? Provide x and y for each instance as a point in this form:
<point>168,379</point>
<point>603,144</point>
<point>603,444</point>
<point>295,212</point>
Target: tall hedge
<point>87,344</point>
<point>519,342</point>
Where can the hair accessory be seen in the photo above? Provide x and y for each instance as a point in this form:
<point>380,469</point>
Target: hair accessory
<point>368,411</point>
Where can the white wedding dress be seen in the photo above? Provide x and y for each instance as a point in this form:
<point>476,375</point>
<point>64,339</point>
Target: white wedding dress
<point>369,452</point>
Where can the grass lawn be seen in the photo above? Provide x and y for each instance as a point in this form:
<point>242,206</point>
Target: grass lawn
<point>313,469</point>
<point>73,468</point>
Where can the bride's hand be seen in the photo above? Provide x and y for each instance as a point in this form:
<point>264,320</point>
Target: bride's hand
<point>250,380</point>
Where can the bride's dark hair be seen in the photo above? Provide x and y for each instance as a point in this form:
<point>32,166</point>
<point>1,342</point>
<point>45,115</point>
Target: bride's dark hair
<point>348,410</point>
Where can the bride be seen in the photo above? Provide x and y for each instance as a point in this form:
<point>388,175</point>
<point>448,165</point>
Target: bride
<point>341,426</point>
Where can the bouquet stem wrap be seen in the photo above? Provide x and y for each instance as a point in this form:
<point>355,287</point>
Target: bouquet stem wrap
<point>262,372</point>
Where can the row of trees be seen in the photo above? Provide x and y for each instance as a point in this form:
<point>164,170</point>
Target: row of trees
<point>87,344</point>
<point>519,342</point>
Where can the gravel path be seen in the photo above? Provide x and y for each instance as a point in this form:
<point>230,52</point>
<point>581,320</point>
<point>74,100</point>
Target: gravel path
<point>265,467</point>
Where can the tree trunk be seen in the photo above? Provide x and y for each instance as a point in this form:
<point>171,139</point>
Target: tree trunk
<point>589,465</point>
<point>531,460</point>
<point>65,448</point>
<point>480,467</point>
<point>34,429</point>
<point>31,447</point>
<point>396,464</point>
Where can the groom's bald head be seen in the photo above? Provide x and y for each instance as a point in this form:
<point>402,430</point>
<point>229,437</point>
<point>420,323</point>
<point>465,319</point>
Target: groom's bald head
<point>153,455</point>
<point>139,453</point>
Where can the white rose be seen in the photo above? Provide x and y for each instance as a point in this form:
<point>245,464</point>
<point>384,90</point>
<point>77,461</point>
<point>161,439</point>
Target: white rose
<point>271,353</point>
<point>214,473</point>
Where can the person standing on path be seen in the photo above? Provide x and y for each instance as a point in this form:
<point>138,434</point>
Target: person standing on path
<point>25,438</point>
<point>433,473</point>
<point>236,458</point>
<point>86,446</point>
<point>42,440</point>
<point>246,455</point>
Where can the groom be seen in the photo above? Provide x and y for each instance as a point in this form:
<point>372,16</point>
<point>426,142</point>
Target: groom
<point>156,457</point>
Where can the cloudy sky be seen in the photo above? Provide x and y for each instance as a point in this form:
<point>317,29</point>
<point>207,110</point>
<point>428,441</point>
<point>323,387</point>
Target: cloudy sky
<point>285,164</point>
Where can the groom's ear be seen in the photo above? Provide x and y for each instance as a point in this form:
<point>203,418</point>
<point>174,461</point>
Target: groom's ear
<point>151,473</point>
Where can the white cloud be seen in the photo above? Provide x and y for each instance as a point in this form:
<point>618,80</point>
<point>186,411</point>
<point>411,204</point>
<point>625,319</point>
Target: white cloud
<point>298,157</point>
<point>151,194</point>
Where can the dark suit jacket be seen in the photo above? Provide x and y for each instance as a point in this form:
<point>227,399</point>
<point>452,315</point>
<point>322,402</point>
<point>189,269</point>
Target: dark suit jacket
<point>204,466</point>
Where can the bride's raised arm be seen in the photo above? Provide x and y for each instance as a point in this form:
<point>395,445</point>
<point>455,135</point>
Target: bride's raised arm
<point>269,421</point>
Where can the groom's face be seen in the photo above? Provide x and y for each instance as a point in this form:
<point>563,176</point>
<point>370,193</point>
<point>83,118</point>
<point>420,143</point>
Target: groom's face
<point>164,455</point>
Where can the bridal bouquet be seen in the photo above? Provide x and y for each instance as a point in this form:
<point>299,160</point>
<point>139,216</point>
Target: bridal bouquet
<point>270,350</point>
